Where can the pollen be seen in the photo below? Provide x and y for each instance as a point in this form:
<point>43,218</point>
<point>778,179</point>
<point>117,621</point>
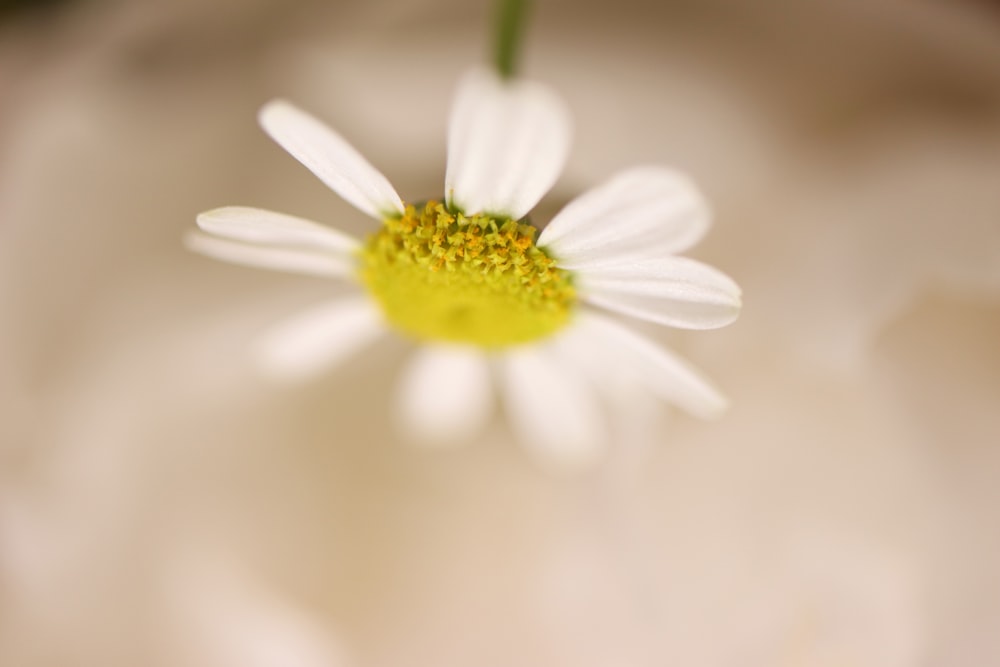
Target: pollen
<point>444,276</point>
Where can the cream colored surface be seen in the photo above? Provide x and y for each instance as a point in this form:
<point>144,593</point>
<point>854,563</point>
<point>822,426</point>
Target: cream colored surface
<point>162,505</point>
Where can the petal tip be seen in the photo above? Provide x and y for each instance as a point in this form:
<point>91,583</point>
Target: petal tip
<point>205,219</point>
<point>270,110</point>
<point>192,240</point>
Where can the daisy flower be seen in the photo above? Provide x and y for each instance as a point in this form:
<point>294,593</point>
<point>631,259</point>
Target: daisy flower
<point>495,306</point>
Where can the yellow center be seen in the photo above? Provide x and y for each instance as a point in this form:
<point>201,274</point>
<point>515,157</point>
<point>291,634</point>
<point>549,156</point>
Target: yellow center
<point>445,276</point>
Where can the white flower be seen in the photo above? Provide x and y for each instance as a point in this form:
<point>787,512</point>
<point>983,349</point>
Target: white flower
<point>468,279</point>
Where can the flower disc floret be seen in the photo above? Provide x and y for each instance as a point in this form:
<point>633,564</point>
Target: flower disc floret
<point>441,275</point>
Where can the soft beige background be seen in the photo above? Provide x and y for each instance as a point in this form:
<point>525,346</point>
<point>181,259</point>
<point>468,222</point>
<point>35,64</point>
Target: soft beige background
<point>162,505</point>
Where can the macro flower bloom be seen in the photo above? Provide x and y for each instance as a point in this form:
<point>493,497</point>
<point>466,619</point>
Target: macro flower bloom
<point>466,277</point>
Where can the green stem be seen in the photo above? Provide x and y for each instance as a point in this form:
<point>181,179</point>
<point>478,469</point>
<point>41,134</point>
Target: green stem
<point>511,17</point>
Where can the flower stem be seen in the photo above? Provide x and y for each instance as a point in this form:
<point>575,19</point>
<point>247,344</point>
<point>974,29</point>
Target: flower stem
<point>511,17</point>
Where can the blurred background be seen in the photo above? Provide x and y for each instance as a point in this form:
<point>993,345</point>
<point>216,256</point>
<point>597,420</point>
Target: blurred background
<point>160,504</point>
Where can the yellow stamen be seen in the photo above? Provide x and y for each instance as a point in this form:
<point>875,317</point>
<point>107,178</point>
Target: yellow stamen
<point>444,276</point>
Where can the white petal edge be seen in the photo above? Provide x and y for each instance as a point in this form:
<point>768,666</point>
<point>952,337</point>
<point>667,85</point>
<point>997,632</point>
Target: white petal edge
<point>634,411</point>
<point>331,158</point>
<point>507,144</point>
<point>316,340</point>
<point>257,225</point>
<point>552,409</point>
<point>640,212</point>
<point>601,365</point>
<point>291,260</point>
<point>675,291</point>
<point>668,376</point>
<point>445,395</point>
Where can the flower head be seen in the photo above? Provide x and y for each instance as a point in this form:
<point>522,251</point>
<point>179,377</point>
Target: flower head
<point>472,281</point>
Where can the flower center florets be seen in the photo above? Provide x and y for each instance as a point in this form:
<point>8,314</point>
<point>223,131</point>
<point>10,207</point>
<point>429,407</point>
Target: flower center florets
<point>442,275</point>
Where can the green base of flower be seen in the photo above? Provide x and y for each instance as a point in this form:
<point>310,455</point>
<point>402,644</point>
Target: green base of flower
<point>443,276</point>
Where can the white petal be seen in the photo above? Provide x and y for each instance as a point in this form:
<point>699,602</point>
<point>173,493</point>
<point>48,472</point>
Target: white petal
<point>293,260</point>
<point>507,143</point>
<point>668,376</point>
<point>318,339</point>
<point>552,408</point>
<point>601,364</point>
<point>634,410</point>
<point>675,291</point>
<point>256,225</point>
<point>646,211</point>
<point>333,160</point>
<point>445,395</point>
